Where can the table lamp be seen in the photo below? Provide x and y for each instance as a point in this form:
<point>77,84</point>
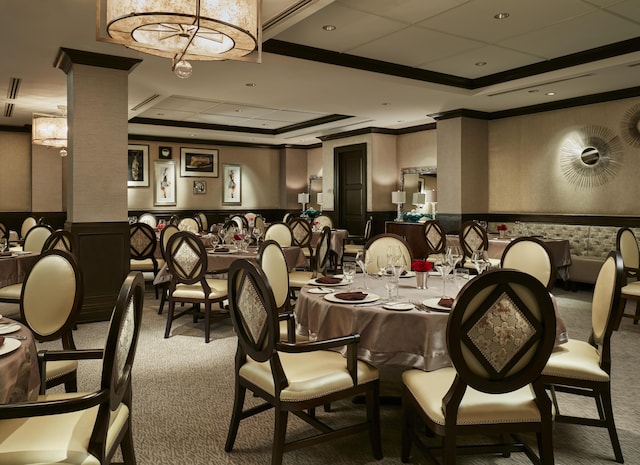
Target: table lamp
<point>319,200</point>
<point>431,199</point>
<point>399,197</point>
<point>303,198</point>
<point>419,199</point>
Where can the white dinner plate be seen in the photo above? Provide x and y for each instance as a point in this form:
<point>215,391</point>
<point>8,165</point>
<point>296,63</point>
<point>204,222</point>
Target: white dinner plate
<point>408,274</point>
<point>315,282</point>
<point>9,346</point>
<point>399,306</point>
<point>369,298</point>
<point>10,328</point>
<point>433,304</point>
<point>319,290</point>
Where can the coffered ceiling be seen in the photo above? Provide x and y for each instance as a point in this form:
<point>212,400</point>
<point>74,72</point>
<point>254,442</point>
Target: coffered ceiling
<point>386,64</point>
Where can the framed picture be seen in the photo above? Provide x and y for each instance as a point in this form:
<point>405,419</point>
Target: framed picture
<point>231,184</point>
<point>199,187</point>
<point>198,162</point>
<point>164,190</point>
<point>420,185</point>
<point>138,166</point>
<point>164,153</point>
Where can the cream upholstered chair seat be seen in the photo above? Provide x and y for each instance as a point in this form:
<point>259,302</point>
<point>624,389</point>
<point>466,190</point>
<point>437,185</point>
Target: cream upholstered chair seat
<point>297,278</point>
<point>430,387</point>
<point>310,375</point>
<point>11,293</point>
<point>577,360</point>
<point>195,291</point>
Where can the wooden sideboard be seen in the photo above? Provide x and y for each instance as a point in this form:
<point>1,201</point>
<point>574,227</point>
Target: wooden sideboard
<point>413,233</point>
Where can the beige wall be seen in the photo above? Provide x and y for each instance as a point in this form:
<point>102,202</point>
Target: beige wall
<point>46,179</point>
<point>524,164</point>
<point>15,171</point>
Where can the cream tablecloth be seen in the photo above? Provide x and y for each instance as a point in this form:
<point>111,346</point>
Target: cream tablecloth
<point>19,375</point>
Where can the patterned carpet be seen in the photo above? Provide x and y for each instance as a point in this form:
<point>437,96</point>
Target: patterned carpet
<point>183,392</point>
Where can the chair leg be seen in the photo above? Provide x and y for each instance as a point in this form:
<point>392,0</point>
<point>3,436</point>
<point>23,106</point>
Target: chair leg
<point>236,416</point>
<point>605,397</point>
<point>408,425</point>
<point>126,447</point>
<point>279,436</point>
<point>172,306</point>
<point>207,322</point>
<point>163,298</point>
<point>545,445</point>
<point>373,418</point>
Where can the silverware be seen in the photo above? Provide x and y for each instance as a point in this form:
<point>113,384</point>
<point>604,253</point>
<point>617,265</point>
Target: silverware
<point>19,338</point>
<point>421,307</point>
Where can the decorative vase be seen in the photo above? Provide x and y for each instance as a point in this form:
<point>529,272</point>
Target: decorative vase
<point>502,233</point>
<point>421,280</point>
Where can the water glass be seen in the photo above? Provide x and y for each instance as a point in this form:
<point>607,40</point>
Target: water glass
<point>349,272</point>
<point>391,282</point>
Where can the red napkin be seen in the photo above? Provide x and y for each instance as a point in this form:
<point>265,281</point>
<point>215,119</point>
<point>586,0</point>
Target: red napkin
<point>357,295</point>
<point>328,280</point>
<point>222,249</point>
<point>446,302</point>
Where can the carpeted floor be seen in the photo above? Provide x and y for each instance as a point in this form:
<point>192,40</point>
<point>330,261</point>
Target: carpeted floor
<point>183,393</point>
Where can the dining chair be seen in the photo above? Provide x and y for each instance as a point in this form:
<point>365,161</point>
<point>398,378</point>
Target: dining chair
<point>279,232</point>
<point>83,428</point>
<point>36,237</point>
<point>378,246</point>
<point>323,220</point>
<point>50,300</point>
<point>4,232</point>
<point>287,216</point>
<point>60,239</point>
<point>28,223</point>
<point>354,243</point>
<point>187,262</point>
<point>583,368</point>
<point>627,245</point>
<point>148,218</point>
<point>260,224</point>
<point>241,222</point>
<point>251,219</point>
<point>301,234</point>
<point>300,278</point>
<point>474,237</point>
<point>291,377</point>
<point>166,233</point>
<point>142,251</point>
<point>204,222</point>
<point>189,224</point>
<point>530,255</point>
<point>435,238</point>
<point>499,335</point>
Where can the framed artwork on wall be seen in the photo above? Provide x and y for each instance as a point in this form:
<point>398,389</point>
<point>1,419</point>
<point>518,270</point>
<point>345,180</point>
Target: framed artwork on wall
<point>138,166</point>
<point>231,184</point>
<point>198,162</point>
<point>164,153</point>
<point>164,190</point>
<point>199,187</point>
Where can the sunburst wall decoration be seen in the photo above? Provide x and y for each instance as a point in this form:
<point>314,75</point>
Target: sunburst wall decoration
<point>630,126</point>
<point>590,156</point>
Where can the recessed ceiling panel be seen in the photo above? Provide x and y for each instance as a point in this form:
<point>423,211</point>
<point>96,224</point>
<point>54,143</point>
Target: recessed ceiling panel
<point>407,11</point>
<point>177,102</point>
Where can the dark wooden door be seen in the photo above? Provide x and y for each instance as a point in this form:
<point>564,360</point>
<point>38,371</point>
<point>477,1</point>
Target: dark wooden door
<point>351,173</point>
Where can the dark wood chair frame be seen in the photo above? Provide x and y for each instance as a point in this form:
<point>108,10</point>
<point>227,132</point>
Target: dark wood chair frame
<point>598,390</point>
<point>303,239</point>
<point>472,227</point>
<point>265,348</point>
<point>438,246</point>
<point>192,274</point>
<point>552,276</point>
<point>60,239</point>
<point>358,239</point>
<point>162,243</point>
<point>146,250</point>
<point>631,275</point>
<point>497,382</point>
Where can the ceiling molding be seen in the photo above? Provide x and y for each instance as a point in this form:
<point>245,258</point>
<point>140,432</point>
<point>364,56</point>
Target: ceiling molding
<point>213,142</point>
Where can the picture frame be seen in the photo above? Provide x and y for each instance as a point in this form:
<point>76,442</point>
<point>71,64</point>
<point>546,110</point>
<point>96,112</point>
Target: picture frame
<point>164,190</point>
<point>231,184</point>
<point>138,166</point>
<point>198,162</point>
<point>199,187</point>
<point>164,153</point>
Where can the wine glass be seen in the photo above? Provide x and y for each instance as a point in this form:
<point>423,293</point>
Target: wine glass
<point>349,272</point>
<point>257,233</point>
<point>399,268</point>
<point>442,266</point>
<point>3,244</point>
<point>393,254</point>
<point>479,259</point>
<point>453,255</point>
<point>360,260</point>
<point>390,281</point>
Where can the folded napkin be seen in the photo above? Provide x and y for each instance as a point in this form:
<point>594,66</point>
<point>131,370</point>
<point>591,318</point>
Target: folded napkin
<point>328,280</point>
<point>446,302</point>
<point>222,249</point>
<point>356,295</point>
<point>6,253</point>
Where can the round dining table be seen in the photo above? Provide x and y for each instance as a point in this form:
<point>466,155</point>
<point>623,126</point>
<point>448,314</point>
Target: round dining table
<point>19,373</point>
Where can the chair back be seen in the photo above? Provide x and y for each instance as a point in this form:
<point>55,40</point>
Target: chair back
<point>473,237</point>
<point>28,223</point>
<point>274,264</point>
<point>186,258</point>
<point>241,222</point>
<point>301,232</point>
<point>4,232</point>
<point>174,220</point>
<point>515,307</point>
<point>251,219</point>
<point>148,218</point>
<point>532,256</point>
<point>204,223</point>
<point>606,305</point>
<point>434,236</point>
<point>323,220</point>
<point>368,227</point>
<point>253,311</point>
<point>142,242</point>
<point>323,248</point>
<point>60,239</point>
<point>189,224</point>
<point>627,245</point>
<point>259,223</point>
<point>287,216</point>
<point>52,295</point>
<point>279,232</point>
<point>168,231</point>
<point>378,245</point>
<point>36,237</point>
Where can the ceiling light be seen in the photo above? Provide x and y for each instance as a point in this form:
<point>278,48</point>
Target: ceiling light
<point>550,94</point>
<point>195,30</point>
<point>51,130</point>
<point>329,27</point>
<point>481,63</point>
<point>501,16</point>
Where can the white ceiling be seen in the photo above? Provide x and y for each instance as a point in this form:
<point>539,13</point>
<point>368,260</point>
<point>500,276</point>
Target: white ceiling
<point>441,36</point>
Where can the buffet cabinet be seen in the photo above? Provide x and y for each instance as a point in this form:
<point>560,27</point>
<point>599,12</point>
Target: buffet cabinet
<point>413,233</point>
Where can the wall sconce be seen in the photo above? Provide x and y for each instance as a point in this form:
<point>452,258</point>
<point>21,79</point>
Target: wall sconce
<point>50,130</point>
<point>399,197</point>
<point>303,198</point>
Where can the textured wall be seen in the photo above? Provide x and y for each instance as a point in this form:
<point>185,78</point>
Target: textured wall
<point>15,171</point>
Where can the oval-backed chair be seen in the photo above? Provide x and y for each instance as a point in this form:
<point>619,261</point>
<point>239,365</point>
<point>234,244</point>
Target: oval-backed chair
<point>279,232</point>
<point>142,251</point>
<point>189,224</point>
<point>36,237</point>
<point>323,220</point>
<point>299,278</point>
<point>166,233</point>
<point>60,239</point>
<point>474,237</point>
<point>28,223</point>
<point>148,218</point>
<point>301,234</point>
<point>378,246</point>
<point>531,255</point>
<point>627,245</point>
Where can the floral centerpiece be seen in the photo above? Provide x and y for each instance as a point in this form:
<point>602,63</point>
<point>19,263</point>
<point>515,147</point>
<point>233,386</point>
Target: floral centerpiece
<point>502,229</point>
<point>421,266</point>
